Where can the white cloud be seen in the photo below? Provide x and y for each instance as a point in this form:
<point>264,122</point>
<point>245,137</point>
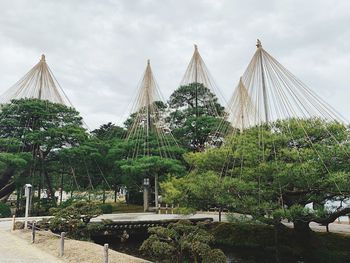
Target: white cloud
<point>98,49</point>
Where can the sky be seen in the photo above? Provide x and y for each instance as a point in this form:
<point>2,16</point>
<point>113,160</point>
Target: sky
<point>98,50</point>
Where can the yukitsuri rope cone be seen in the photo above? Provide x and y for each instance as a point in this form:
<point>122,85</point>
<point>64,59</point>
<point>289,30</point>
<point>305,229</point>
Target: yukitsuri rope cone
<point>198,83</point>
<point>271,100</point>
<point>198,73</point>
<point>38,83</point>
<point>147,129</point>
<point>148,119</point>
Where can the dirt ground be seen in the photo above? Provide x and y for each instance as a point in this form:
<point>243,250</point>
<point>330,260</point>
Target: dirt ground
<point>75,251</point>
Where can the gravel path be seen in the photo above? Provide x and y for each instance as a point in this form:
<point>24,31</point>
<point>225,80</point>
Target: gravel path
<point>74,250</point>
<point>14,249</point>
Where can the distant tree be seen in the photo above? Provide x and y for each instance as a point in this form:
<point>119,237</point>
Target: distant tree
<point>40,128</point>
<point>154,167</point>
<point>109,131</point>
<point>191,125</point>
<point>157,113</point>
<point>136,158</point>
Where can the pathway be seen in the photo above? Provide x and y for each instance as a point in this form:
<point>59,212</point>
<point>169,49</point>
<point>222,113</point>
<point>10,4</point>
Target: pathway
<point>13,249</point>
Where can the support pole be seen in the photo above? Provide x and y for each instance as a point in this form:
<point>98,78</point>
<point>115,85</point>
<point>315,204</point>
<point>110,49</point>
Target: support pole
<point>156,190</point>
<point>42,61</point>
<point>28,188</point>
<point>259,46</point>
<point>61,190</point>
<point>196,94</point>
<point>103,193</point>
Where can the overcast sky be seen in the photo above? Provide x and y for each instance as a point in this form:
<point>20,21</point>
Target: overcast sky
<point>98,49</point>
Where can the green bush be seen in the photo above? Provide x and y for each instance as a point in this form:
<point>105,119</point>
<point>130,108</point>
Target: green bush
<point>182,242</point>
<point>5,210</point>
<point>106,208</point>
<point>244,235</point>
<point>74,219</point>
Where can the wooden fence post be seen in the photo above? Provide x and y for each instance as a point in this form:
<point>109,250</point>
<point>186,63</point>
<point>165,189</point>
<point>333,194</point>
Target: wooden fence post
<point>105,253</point>
<point>159,209</point>
<point>172,209</point>
<point>33,231</point>
<point>62,244</point>
<point>166,208</point>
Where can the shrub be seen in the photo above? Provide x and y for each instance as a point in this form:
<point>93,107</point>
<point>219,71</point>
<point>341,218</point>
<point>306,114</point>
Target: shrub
<point>246,235</point>
<point>182,242</point>
<point>106,208</point>
<point>5,210</point>
<point>74,219</point>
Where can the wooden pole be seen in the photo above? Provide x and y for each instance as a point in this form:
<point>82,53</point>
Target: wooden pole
<point>18,199</point>
<point>115,194</point>
<point>156,190</point>
<point>105,253</point>
<point>33,231</point>
<point>103,193</point>
<point>62,244</point>
<point>61,190</point>
<point>259,46</point>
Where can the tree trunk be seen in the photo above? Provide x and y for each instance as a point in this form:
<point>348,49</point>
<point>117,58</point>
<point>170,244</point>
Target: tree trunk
<point>301,226</point>
<point>6,176</point>
<point>49,186</point>
<point>6,191</point>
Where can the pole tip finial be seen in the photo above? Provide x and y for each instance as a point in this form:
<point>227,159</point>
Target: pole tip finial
<point>258,43</point>
<point>148,62</point>
<point>42,57</point>
<point>195,47</point>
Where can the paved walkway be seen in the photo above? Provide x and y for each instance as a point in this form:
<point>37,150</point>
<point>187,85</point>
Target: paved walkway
<point>16,250</point>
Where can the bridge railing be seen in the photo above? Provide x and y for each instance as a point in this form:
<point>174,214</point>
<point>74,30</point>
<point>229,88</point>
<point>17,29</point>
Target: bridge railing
<point>166,209</point>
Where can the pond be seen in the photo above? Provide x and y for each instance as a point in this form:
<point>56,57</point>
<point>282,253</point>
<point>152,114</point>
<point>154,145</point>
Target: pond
<point>234,255</point>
